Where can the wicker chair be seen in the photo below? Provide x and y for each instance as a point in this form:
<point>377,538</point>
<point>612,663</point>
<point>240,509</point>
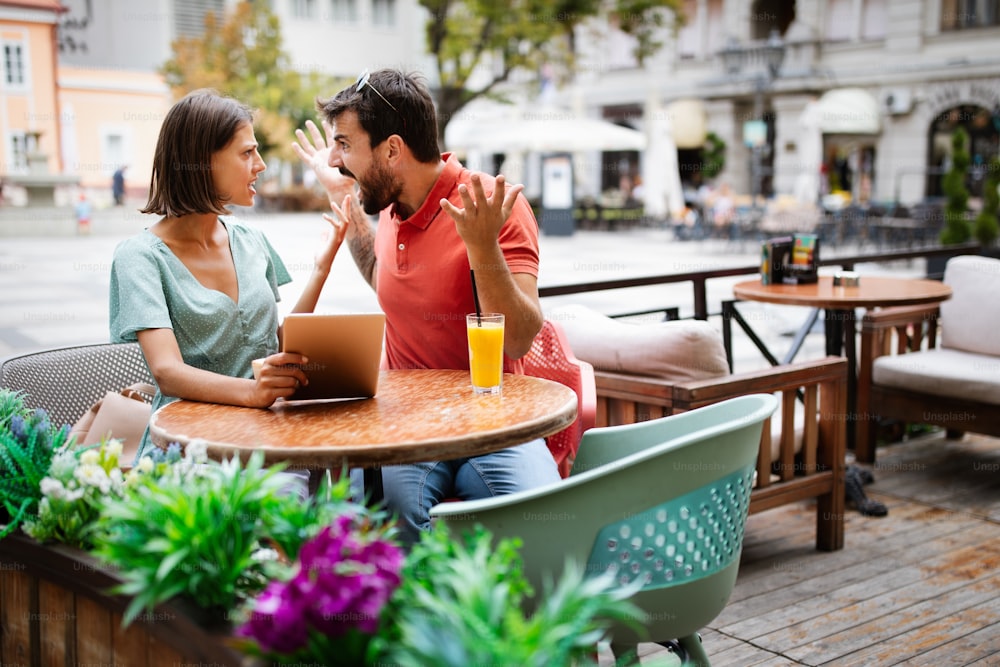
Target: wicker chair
<point>67,381</point>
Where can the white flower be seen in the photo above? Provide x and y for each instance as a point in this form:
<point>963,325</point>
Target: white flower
<point>113,448</point>
<point>94,476</point>
<point>52,488</point>
<point>196,451</point>
<point>264,555</point>
<point>145,465</point>
<point>91,457</point>
<point>63,464</point>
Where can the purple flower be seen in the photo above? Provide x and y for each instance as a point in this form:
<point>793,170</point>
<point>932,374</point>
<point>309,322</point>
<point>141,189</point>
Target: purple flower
<point>344,579</point>
<point>276,622</point>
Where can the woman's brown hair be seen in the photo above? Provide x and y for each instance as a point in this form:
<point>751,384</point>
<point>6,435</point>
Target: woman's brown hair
<point>197,126</point>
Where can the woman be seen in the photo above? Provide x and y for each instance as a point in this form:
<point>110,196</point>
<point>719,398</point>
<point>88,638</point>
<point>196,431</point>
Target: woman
<point>198,293</point>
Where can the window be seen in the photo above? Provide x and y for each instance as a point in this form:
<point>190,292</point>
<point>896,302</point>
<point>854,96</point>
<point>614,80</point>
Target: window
<point>384,13</point>
<point>189,15</point>
<point>344,11</point>
<point>304,9</point>
<point>839,21</point>
<point>113,149</point>
<point>965,14</point>
<point>13,64</point>
<point>619,49</point>
<point>689,36</point>
<point>874,16</point>
<point>18,151</point>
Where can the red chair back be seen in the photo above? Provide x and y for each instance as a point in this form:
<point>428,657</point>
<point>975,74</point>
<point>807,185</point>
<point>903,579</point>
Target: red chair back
<point>551,358</point>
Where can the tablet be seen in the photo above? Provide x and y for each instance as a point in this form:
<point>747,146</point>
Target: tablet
<point>344,352</point>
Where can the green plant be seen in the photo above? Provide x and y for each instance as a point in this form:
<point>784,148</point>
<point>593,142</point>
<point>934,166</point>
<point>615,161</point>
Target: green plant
<point>987,225</point>
<point>956,224</point>
<point>460,603</point>
<point>28,442</point>
<point>212,533</point>
<point>78,482</point>
<point>201,536</point>
<point>713,156</point>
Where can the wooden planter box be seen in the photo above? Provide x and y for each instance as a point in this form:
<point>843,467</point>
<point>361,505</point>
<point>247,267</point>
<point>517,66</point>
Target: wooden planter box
<point>55,609</point>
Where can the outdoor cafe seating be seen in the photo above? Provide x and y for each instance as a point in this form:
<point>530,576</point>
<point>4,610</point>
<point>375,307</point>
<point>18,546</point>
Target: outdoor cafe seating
<point>660,503</point>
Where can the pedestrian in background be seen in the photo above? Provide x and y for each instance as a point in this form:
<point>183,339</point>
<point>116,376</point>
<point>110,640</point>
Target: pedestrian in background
<point>118,185</point>
<point>83,211</point>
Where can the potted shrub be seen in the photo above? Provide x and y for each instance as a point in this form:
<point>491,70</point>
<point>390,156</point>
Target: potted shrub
<point>454,601</point>
<point>28,442</point>
<point>957,228</point>
<point>182,550</point>
<point>987,225</point>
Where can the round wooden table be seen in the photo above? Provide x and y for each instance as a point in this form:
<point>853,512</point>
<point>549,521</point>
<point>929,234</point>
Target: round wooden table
<point>871,292</point>
<point>840,304</point>
<point>416,415</point>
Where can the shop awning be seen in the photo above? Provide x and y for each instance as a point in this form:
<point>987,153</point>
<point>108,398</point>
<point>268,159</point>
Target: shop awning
<point>689,121</point>
<point>849,111</point>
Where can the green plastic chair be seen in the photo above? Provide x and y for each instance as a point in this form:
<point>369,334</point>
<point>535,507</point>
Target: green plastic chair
<point>664,501</point>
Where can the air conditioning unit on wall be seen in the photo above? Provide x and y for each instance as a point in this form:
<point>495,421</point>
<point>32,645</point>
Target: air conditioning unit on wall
<point>897,101</point>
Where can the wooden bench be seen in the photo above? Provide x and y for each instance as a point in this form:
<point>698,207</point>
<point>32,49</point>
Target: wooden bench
<point>815,471</point>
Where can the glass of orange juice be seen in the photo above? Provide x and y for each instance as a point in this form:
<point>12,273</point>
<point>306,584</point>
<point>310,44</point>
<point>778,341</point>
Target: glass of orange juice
<point>485,352</point>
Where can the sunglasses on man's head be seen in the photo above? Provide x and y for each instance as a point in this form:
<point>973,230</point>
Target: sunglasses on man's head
<point>363,81</point>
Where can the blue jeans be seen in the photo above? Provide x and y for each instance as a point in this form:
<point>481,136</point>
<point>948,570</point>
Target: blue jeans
<point>412,490</point>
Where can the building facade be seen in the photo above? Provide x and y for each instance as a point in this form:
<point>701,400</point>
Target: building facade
<point>875,87</point>
<point>29,104</point>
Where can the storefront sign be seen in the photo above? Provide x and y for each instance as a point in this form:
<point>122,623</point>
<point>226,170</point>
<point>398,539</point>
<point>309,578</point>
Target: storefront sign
<point>982,93</point>
<point>754,133</point>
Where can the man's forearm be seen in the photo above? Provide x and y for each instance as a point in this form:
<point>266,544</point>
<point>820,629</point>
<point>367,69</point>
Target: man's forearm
<point>362,245</point>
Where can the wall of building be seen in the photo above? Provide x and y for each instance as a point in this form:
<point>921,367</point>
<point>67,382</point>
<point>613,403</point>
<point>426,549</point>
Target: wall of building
<point>102,104</point>
<point>32,107</point>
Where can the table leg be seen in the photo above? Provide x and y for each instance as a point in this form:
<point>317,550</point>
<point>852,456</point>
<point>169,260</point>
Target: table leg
<point>841,333</point>
<point>834,322</point>
<point>373,485</point>
<point>850,353</point>
<point>316,477</point>
<point>800,336</point>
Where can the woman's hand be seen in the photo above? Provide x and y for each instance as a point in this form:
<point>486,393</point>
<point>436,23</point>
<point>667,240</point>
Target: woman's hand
<point>278,376</point>
<point>333,237</point>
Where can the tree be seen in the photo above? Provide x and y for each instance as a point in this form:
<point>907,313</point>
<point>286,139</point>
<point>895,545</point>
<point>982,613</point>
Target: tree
<point>956,223</point>
<point>473,36</point>
<point>240,55</point>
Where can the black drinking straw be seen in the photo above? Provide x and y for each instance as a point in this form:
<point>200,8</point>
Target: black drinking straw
<point>475,297</point>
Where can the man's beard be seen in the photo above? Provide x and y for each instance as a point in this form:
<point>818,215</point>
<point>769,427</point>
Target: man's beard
<point>379,190</point>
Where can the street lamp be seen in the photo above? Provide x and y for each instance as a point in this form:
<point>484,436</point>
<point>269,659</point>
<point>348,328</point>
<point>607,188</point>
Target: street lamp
<point>766,59</point>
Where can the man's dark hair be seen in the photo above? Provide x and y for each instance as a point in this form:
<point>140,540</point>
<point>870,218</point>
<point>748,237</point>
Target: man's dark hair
<point>200,124</point>
<point>407,110</point>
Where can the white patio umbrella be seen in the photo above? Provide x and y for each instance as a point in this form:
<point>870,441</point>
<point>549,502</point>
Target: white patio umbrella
<point>543,130</point>
<point>663,193</point>
<point>810,150</point>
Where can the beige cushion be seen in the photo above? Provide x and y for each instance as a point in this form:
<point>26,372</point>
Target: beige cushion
<point>680,350</point>
<point>941,372</point>
<point>970,319</point>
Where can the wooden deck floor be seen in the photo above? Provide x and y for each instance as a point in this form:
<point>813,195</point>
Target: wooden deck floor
<point>918,587</point>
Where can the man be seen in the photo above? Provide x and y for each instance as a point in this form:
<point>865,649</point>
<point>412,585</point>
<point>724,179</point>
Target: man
<point>437,221</point>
